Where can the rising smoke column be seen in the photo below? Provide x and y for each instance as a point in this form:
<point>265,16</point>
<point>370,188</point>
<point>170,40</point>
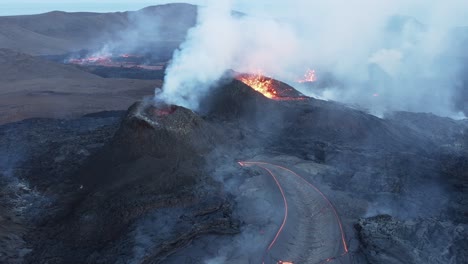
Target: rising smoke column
<point>353,40</point>
<point>222,41</point>
<point>203,58</point>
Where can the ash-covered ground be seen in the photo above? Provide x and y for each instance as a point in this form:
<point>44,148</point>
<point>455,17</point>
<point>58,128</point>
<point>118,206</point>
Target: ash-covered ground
<point>162,184</point>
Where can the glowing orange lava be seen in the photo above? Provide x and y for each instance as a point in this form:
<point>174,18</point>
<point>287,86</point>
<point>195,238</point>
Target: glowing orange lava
<point>270,88</point>
<point>260,84</point>
<point>329,205</point>
<point>92,60</point>
<point>108,60</point>
<point>309,76</point>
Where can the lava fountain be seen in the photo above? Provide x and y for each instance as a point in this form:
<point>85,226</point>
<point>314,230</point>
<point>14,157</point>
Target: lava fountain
<point>309,77</point>
<point>259,83</point>
<point>271,88</point>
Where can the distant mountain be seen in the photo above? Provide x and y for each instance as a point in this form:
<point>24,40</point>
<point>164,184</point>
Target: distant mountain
<point>60,32</point>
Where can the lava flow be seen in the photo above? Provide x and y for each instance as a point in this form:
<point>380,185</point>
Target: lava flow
<point>260,84</point>
<point>120,61</point>
<point>264,165</point>
<point>285,202</point>
<point>98,60</point>
<point>270,88</point>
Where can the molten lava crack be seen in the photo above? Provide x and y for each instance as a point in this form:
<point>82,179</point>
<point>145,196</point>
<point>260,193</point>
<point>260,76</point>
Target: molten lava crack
<point>270,169</point>
<point>165,110</point>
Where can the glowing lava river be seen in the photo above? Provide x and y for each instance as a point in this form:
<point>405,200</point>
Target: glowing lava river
<point>311,230</point>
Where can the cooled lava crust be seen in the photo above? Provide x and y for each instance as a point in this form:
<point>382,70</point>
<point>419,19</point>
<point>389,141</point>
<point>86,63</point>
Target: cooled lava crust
<point>150,136</point>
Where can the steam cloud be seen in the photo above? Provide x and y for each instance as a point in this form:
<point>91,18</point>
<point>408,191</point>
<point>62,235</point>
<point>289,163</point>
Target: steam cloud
<point>155,31</point>
<point>387,55</point>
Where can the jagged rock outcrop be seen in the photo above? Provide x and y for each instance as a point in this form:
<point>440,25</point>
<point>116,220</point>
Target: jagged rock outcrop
<point>385,239</point>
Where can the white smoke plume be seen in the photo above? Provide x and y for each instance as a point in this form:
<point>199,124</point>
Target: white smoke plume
<point>203,58</point>
<point>388,55</point>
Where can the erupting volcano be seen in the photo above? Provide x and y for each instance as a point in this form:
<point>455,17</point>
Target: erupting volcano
<point>266,132</point>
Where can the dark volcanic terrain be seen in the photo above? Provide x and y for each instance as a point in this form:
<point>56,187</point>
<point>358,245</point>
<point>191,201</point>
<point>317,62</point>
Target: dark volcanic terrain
<point>140,186</point>
<point>94,170</point>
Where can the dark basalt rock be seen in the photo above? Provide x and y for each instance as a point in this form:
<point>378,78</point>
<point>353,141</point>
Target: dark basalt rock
<point>98,193</point>
<point>149,139</point>
<point>385,239</point>
<point>295,117</point>
<point>234,100</point>
<point>162,131</point>
<point>37,160</point>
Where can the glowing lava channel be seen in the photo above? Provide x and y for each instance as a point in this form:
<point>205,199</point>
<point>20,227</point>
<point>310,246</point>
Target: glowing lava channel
<point>262,165</point>
<point>266,87</point>
<point>260,84</point>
